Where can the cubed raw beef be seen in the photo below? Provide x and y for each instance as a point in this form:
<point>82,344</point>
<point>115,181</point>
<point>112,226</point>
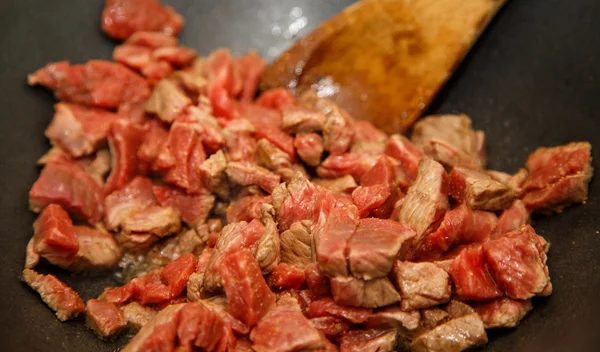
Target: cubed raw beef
<point>194,209</point>
<point>479,191</point>
<point>276,98</point>
<point>121,204</point>
<point>369,341</point>
<point>421,285</point>
<point>309,147</point>
<point>456,335</point>
<point>317,282</point>
<point>54,237</point>
<point>344,184</point>
<point>246,208</point>
<point>327,307</point>
<point>296,119</point>
<point>137,315</point>
<point>333,241</point>
<point>286,276</point>
<point>124,140</point>
<point>122,18</point>
<point>512,218</point>
<point>354,292</point>
<point>408,154</point>
<point>503,312</point>
<point>471,276</point>
<point>330,326</point>
<point>251,67</point>
<point>394,318</point>
<point>355,164</point>
<point>104,318</point>
<point>57,295</point>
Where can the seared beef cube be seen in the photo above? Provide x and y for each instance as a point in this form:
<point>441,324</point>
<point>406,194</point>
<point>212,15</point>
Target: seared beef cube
<point>167,100</point>
<point>479,191</point>
<point>374,246</point>
<point>97,250</point>
<point>460,225</point>
<point>333,241</point>
<point>503,312</point>
<point>212,174</point>
<point>155,220</point>
<point>457,309</point>
<point>246,208</point>
<point>330,326</point>
<point>194,284</point>
<point>55,238</point>
<point>104,318</point>
<point>558,177</point>
<point>451,140</point>
<point>327,307</point>
<point>268,247</point>
<point>122,19</point>
<point>354,292</point>
<point>56,294</point>
<point>137,315</point>
<point>394,318</point>
<point>368,341</point>
<point>67,184</point>
<point>421,285</point>
<point>285,329</point>
<point>296,119</point>
<point>123,203</point>
<point>408,154</point>
<point>517,262</point>
<point>296,245</point>
<point>309,147</point>
<point>426,200</point>
<point>269,156</point>
<point>456,335</point>
<point>471,276</point>
<point>124,140</point>
<point>246,174</point>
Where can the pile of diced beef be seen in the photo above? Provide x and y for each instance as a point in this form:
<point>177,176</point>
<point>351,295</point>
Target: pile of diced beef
<point>276,223</point>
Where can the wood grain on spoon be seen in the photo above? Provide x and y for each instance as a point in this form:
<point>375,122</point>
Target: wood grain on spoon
<point>384,60</point>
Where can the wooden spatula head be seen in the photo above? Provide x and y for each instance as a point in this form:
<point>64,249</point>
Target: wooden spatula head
<point>383,60</point>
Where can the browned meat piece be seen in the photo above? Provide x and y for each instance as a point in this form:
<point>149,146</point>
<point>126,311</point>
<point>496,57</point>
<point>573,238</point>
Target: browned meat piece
<point>344,184</point>
<point>97,250</point>
<point>124,140</point>
<point>268,248</point>
<point>369,341</point>
<point>394,318</point>
<point>333,241</point>
<point>32,258</point>
<point>194,284</point>
<point>460,226</point>
<point>374,246</point>
<point>450,140</point>
<point>121,204</point>
<point>456,335</point>
<point>212,174</point>
<point>155,220</point>
<point>354,292</point>
<point>327,307</point>
<point>558,177</point>
<point>246,174</point>
<point>122,18</point>
<point>421,285</point>
<point>104,318</point>
<point>331,326</point>
<point>309,147</point>
<point>408,154</point>
<point>517,180</point>
<point>78,129</point>
<point>67,184</point>
<point>426,200</point>
<point>285,329</point>
<point>512,218</point>
<point>248,296</point>
<point>269,156</point>
<point>457,309</point>
<point>137,315</point>
<point>239,142</point>
<point>296,119</point>
<point>99,165</point>
<point>479,191</point>
<point>432,317</point>
<point>503,312</point>
<point>193,208</point>
<point>57,295</point>
<point>338,130</point>
<point>186,242</point>
<point>167,101</point>
<point>517,262</point>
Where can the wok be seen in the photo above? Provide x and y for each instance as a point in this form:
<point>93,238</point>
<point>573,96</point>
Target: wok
<point>532,80</point>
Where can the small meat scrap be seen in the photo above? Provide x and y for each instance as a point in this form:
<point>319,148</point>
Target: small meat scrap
<point>344,184</point>
<point>369,341</point>
<point>421,285</point>
<point>457,309</point>
<point>394,318</point>
<point>503,312</point>
<point>471,276</point>
<point>296,119</point>
<point>517,262</point>
<point>137,315</point>
<point>374,246</point>
<point>97,250</point>
<point>456,335</point>
<point>268,247</point>
<point>408,154</point>
<point>97,83</point>
<point>354,292</point>
<point>122,18</point>
<point>512,218</point>
<point>248,296</point>
<point>426,200</point>
<point>67,184</point>
<point>309,147</point>
<point>460,225</point>
<point>246,208</point>
<point>271,157</point>
<point>212,174</point>
<point>246,174</point>
<point>479,191</point>
<point>104,318</point>
<point>285,329</point>
<point>167,101</point>
<point>276,98</point>
<point>327,307</point>
<point>558,177</point>
<point>78,129</point>
<point>286,276</point>
<point>57,295</point>
<point>355,164</point>
<point>124,140</point>
<point>193,209</point>
<point>155,220</point>
<point>134,197</point>
<point>331,326</point>
<point>317,282</point>
<point>450,140</point>
<point>333,241</point>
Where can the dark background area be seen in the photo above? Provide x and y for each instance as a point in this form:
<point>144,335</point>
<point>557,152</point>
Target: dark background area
<point>532,80</point>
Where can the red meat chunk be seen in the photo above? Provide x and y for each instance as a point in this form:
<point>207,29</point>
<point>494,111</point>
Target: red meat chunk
<point>309,147</point>
<point>408,154</point>
<point>54,237</point>
<point>248,296</point>
<point>471,276</point>
<point>503,312</point>
<point>121,204</point>
<point>57,295</point>
<point>247,174</point>
<point>286,276</point>
<point>251,67</point>
<point>124,140</point>
<point>97,83</point>
<point>122,18</point>
<point>333,241</point>
<point>155,136</point>
<point>317,282</point>
<point>246,208</point>
<point>460,225</point>
<point>67,184</point>
<point>104,318</point>
<point>194,209</point>
<point>285,329</point>
<point>479,191</point>
<point>512,218</point>
<point>331,326</point>
<point>296,119</point>
<point>327,307</point>
<point>355,164</point>
<point>518,263</point>
<point>276,98</point>
<point>78,129</point>
<point>368,340</point>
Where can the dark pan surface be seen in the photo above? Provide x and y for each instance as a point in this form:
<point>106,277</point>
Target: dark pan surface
<point>532,80</point>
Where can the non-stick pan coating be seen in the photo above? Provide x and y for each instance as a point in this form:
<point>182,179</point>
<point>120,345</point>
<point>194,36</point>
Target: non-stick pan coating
<point>532,80</point>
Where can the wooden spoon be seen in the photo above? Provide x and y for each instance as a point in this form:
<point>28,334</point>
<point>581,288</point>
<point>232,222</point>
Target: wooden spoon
<point>383,60</point>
